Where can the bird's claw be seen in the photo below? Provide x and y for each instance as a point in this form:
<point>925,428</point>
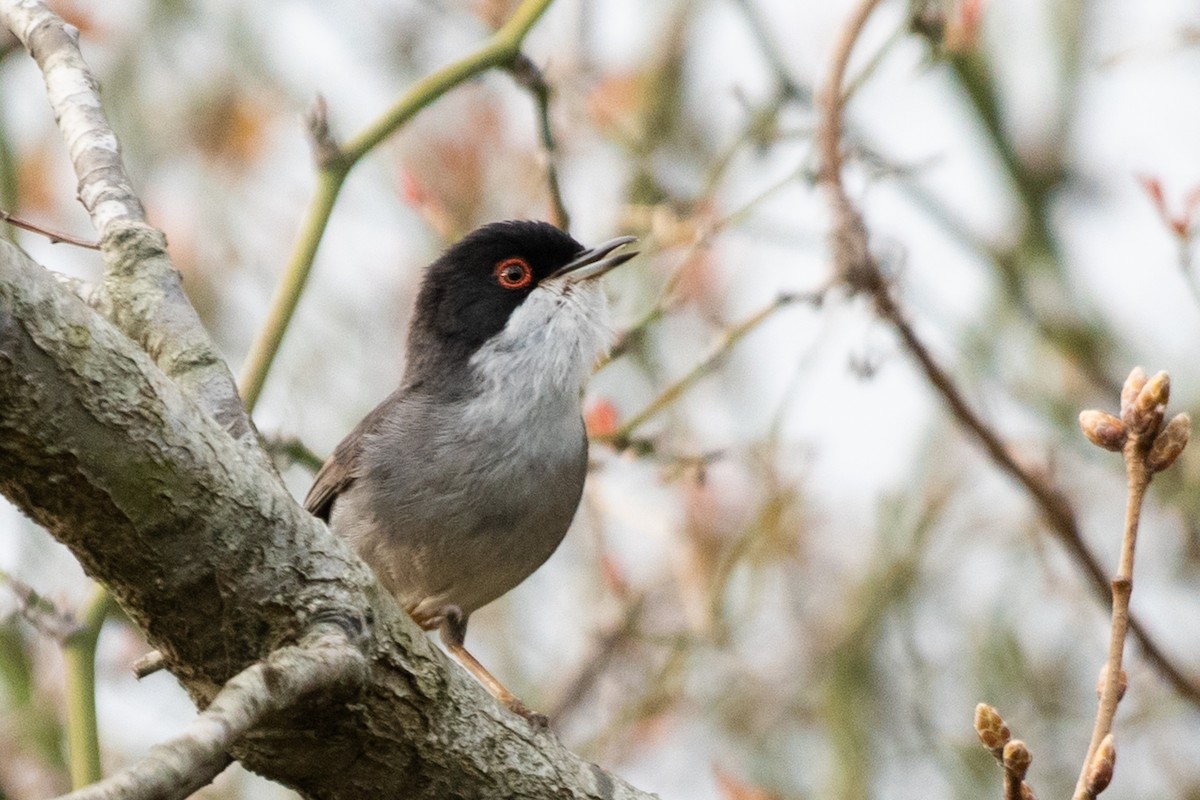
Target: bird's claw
<point>535,719</point>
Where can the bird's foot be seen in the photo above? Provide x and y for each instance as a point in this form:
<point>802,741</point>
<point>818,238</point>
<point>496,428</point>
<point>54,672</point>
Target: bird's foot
<point>538,721</point>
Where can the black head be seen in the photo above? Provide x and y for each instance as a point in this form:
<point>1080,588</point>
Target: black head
<point>468,294</point>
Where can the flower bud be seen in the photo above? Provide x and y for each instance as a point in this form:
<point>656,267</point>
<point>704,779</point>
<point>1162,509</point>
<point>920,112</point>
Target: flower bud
<point>1133,385</point>
<point>991,728</point>
<point>1102,429</point>
<point>1017,758</point>
<point>1145,413</point>
<point>1169,443</point>
<point>1100,771</point>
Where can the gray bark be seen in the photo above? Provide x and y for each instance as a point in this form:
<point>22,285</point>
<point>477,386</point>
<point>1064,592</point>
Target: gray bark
<point>203,547</point>
<point>141,292</point>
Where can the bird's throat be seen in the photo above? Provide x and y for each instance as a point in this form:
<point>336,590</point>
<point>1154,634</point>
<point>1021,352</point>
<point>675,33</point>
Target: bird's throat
<point>547,349</point>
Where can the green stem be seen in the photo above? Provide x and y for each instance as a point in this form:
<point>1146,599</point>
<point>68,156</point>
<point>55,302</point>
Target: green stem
<point>291,286</point>
<point>500,50</point>
<point>79,658</point>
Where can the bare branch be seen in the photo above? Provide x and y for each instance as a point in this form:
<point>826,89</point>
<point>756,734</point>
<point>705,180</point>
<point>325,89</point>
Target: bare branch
<point>788,88</point>
<point>620,438</point>
<point>1148,446</point>
<point>529,76</point>
<point>149,664</point>
<point>1012,754</point>
<point>38,611</point>
<point>326,662</point>
<point>858,270</point>
<point>288,450</point>
<point>54,236</point>
<point>607,644</point>
<point>141,292</point>
<point>326,150</point>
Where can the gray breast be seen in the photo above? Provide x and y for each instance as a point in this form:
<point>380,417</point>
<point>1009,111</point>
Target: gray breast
<point>461,502</point>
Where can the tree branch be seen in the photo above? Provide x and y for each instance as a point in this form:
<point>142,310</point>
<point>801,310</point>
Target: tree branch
<point>860,273</point>
<point>55,237</point>
<point>142,293</point>
<point>38,611</point>
<point>325,662</point>
<point>1012,754</point>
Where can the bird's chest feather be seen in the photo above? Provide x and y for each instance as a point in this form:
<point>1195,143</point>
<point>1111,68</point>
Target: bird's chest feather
<point>465,499</point>
<point>476,501</point>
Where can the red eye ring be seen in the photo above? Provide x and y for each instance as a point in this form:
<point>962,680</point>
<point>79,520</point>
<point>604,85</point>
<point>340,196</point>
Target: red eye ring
<point>514,273</point>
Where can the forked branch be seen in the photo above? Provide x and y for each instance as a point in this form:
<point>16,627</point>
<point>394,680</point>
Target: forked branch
<point>326,661</point>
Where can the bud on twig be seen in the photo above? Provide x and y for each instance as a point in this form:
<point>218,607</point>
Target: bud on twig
<point>1017,758</point>
<point>1102,429</point>
<point>1144,414</point>
<point>1122,683</point>
<point>1101,770</point>
<point>1169,443</point>
<point>991,729</point>
<point>1133,385</point>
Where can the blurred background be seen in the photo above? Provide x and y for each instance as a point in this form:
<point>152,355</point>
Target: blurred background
<point>798,575</point>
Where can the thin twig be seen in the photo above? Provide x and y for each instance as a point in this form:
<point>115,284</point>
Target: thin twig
<point>1122,590</point>
<point>628,338</point>
<point>620,438</point>
<point>787,86</point>
<point>325,661</point>
<point>1186,269</point>
<point>148,664</point>
<point>859,271</point>
<point>500,50</point>
<point>326,149</point>
<point>877,57</point>
<point>1147,446</point>
<point>1011,754</point>
<point>38,611</point>
<point>54,236</point>
<point>292,450</point>
<point>1035,185</point>
<point>528,75</point>
<point>1012,786</point>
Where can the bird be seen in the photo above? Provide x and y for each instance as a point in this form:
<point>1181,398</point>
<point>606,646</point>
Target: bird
<point>464,480</point>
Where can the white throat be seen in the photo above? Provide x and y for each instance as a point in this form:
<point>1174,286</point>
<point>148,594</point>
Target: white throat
<point>546,351</point>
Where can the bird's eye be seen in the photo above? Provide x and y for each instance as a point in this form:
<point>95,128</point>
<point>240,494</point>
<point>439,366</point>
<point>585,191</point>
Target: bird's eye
<point>514,273</point>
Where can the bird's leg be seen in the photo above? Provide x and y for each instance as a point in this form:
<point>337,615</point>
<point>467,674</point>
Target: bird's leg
<point>453,631</point>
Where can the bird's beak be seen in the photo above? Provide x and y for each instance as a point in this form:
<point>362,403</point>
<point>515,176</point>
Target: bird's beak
<point>595,262</point>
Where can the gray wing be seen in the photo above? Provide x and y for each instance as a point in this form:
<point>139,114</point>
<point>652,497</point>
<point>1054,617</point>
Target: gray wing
<point>334,477</point>
<point>345,466</point>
